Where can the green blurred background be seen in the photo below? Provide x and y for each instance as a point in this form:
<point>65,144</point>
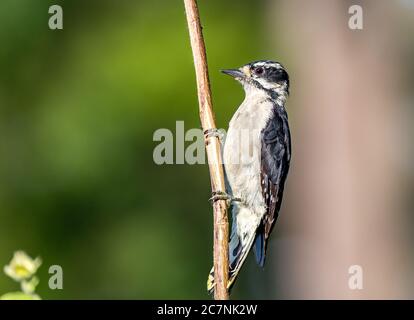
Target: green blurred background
<point>78,109</point>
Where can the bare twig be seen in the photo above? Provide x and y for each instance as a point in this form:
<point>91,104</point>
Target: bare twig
<point>213,149</point>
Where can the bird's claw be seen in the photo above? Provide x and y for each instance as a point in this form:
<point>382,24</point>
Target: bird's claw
<point>214,132</point>
<point>220,195</point>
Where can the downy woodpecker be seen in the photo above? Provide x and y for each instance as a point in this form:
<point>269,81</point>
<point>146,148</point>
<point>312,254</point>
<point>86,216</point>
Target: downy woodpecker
<point>256,157</point>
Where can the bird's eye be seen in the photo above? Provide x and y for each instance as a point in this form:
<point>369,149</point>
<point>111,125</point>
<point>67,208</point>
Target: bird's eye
<point>259,70</point>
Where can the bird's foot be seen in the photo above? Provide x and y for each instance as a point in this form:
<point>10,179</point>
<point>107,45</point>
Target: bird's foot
<point>214,132</point>
<point>220,195</point>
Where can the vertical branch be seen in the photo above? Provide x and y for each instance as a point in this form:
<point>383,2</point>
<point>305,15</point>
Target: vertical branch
<point>213,150</point>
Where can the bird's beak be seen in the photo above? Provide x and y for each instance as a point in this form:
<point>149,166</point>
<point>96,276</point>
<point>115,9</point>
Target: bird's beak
<point>235,73</point>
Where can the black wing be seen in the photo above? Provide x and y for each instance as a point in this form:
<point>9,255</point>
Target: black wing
<point>275,159</point>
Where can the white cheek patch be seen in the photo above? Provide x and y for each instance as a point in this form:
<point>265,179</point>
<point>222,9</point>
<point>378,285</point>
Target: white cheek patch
<point>279,89</point>
<point>267,85</point>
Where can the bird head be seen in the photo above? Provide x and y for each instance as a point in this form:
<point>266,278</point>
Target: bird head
<point>268,76</point>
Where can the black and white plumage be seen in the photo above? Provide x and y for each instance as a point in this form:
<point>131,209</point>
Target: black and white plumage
<point>256,155</point>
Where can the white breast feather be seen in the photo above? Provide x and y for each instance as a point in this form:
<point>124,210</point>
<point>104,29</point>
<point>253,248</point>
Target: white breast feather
<point>242,152</point>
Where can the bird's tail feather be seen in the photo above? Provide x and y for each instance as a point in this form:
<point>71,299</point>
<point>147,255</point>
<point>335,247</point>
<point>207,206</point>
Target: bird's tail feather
<point>239,260</point>
<point>237,255</point>
<point>260,248</point>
